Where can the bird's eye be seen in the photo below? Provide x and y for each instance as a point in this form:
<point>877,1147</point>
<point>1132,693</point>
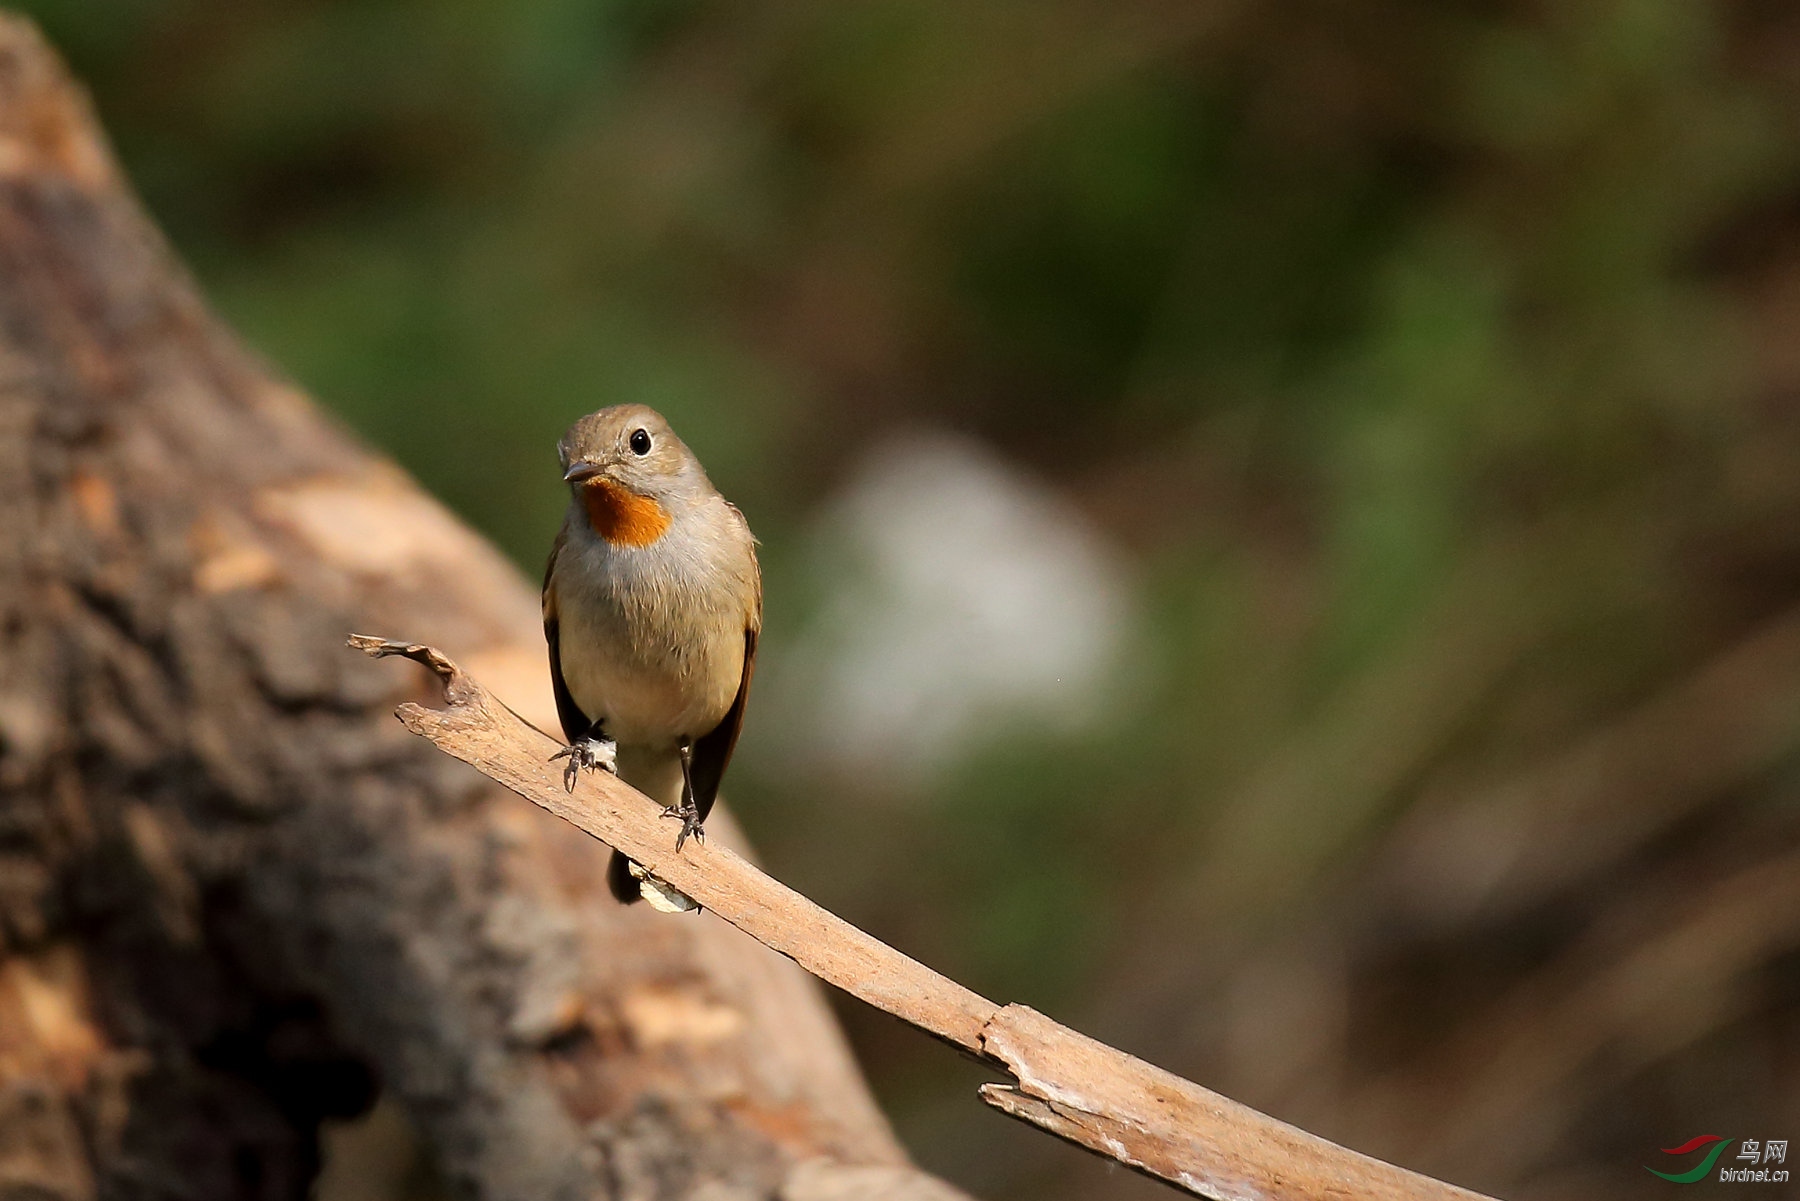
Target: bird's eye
<point>640,442</point>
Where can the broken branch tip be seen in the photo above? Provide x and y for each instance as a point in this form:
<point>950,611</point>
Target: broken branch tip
<point>455,683</point>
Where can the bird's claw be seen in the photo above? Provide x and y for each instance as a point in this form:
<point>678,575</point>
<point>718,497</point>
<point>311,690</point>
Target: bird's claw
<point>594,753</point>
<point>689,815</point>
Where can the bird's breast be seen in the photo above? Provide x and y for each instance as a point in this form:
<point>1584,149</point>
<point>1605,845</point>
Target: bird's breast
<point>647,658</point>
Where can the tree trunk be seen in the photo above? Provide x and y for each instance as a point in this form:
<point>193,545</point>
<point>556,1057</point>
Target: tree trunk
<point>236,897</point>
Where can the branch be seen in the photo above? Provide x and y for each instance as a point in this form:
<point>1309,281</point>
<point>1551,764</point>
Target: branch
<point>1063,1082</point>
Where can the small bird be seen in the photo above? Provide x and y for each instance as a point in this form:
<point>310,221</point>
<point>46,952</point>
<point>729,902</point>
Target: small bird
<point>652,607</point>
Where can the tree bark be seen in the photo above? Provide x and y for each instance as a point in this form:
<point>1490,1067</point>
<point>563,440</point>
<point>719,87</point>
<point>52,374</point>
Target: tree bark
<point>236,897</point>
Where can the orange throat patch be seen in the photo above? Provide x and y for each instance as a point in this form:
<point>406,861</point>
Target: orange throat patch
<point>621,516</point>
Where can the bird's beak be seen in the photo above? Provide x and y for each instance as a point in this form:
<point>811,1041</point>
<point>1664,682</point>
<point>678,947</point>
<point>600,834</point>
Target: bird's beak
<point>580,472</point>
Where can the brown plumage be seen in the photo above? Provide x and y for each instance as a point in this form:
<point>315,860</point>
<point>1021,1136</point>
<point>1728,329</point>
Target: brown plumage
<point>652,607</point>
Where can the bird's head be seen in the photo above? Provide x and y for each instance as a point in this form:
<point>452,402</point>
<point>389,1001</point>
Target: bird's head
<point>628,470</point>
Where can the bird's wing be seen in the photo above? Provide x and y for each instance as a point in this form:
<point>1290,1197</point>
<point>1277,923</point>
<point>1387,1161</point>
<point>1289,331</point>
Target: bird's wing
<point>575,723</point>
<point>713,752</point>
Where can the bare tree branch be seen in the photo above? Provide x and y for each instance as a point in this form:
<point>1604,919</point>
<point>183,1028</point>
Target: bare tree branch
<point>1063,1082</point>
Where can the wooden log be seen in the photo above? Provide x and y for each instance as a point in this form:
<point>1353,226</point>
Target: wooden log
<point>235,898</point>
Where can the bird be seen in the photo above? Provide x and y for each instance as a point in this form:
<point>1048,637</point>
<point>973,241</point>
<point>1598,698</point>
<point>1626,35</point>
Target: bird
<point>652,609</point>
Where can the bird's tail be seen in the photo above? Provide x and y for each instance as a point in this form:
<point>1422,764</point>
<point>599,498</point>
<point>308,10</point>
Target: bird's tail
<point>619,879</point>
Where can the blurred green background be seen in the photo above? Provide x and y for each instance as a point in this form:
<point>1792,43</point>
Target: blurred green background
<point>1344,459</point>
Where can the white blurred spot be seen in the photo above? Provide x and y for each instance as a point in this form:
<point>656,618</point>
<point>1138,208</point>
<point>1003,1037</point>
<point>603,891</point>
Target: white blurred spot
<point>963,598</point>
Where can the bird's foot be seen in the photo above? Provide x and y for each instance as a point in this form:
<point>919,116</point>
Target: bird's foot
<point>595,752</point>
<point>689,814</point>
